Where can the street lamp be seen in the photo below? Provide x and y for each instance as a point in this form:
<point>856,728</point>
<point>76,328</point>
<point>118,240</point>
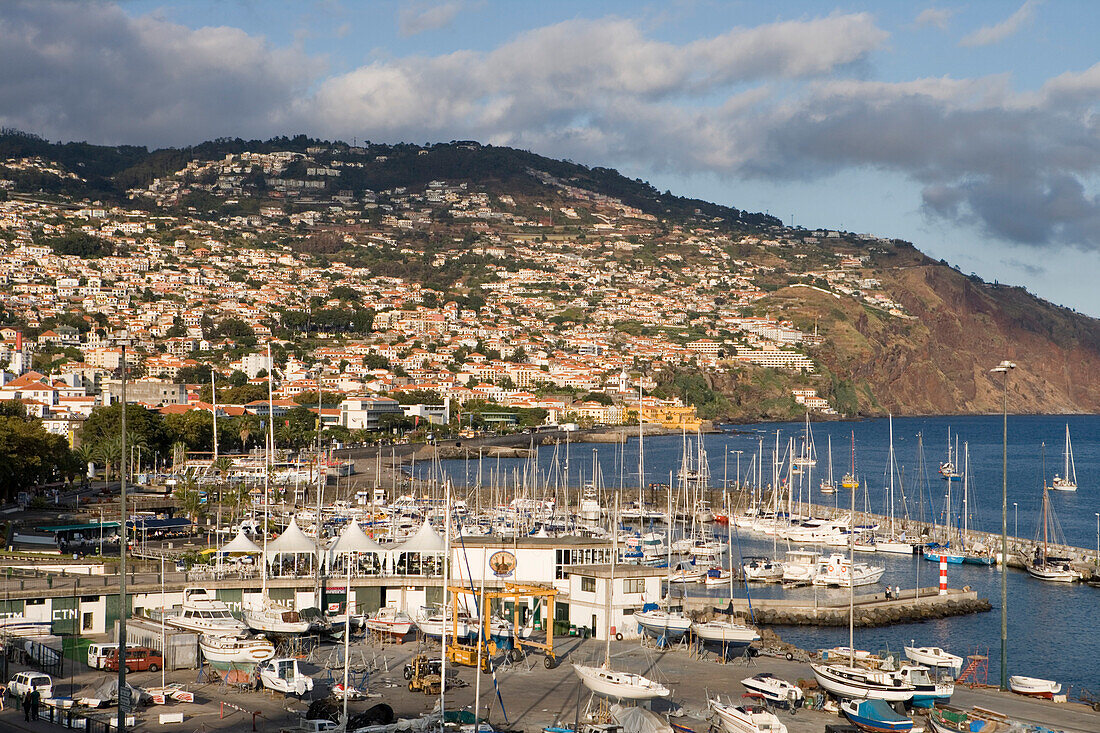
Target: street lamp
<point>1097,538</point>
<point>1015,521</point>
<point>1004,368</point>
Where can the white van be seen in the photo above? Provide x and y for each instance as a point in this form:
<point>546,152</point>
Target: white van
<point>98,653</point>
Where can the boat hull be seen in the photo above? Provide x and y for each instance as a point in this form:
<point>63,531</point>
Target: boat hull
<point>1034,687</point>
<point>856,686</point>
<point>723,633</point>
<point>736,719</point>
<point>619,685</point>
<point>251,651</point>
<point>867,720</point>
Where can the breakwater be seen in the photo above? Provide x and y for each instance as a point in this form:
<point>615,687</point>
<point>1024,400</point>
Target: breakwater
<point>874,609</point>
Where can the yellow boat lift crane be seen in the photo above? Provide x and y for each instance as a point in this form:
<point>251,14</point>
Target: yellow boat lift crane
<point>471,655</point>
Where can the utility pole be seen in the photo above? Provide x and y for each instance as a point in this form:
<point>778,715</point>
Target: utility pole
<point>124,700</point>
<point>1004,368</point>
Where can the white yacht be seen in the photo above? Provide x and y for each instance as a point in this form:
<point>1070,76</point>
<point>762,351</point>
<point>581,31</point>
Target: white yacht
<point>836,571</point>
<point>745,719</point>
<point>235,650</point>
<point>204,613</point>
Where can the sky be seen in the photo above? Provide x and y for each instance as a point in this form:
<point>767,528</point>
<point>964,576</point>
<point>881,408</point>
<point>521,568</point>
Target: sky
<point>970,129</point>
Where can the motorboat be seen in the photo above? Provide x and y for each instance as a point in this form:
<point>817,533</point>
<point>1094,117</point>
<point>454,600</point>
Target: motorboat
<point>933,656</point>
<point>204,613</point>
<point>716,577</point>
<point>926,691</point>
<point>837,571</point>
<point>235,650</point>
<point>268,617</point>
<point>875,716</point>
<point>800,566</point>
<point>661,623</point>
<point>775,690</point>
<point>389,620</point>
<point>284,675</point>
<point>619,685</point>
<point>1034,687</point>
<point>745,718</point>
<point>433,621</point>
<point>727,633</point>
<point>762,570</point>
<point>864,684</point>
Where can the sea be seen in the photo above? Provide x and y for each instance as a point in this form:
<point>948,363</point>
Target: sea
<point>1052,627</point>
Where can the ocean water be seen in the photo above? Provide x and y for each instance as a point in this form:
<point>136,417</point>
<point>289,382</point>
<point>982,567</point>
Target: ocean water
<point>1051,626</point>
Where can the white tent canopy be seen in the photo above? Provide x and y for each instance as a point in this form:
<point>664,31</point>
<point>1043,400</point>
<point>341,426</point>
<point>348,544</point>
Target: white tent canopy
<point>240,545</point>
<point>425,541</point>
<point>293,541</point>
<point>354,539</point>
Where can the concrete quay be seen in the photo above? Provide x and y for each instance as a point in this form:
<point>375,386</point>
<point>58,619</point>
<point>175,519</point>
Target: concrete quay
<point>533,697</point>
<point>873,609</point>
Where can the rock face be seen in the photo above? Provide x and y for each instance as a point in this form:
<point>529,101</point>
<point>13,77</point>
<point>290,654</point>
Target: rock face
<point>937,360</point>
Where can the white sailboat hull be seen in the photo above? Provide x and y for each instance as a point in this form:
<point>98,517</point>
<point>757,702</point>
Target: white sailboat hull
<point>660,623</point>
<point>725,632</point>
<point>934,657</point>
<point>861,684</point>
<point>1034,686</point>
<point>619,685</point>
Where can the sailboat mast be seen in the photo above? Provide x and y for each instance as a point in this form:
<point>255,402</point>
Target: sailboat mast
<point>611,583</point>
<point>268,463</point>
<point>891,462</point>
<point>851,563</point>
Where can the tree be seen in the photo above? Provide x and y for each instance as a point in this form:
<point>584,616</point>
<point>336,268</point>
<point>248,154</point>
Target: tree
<point>190,498</point>
<point>194,428</point>
<point>602,397</point>
<point>418,397</point>
<point>102,431</point>
<point>237,330</point>
<point>29,454</point>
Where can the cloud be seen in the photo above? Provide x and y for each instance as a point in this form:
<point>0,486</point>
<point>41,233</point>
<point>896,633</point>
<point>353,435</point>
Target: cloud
<point>90,71</point>
<point>783,101</point>
<point>419,17</point>
<point>934,17</point>
<point>990,34</point>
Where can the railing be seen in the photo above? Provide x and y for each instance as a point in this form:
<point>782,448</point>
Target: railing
<point>74,719</point>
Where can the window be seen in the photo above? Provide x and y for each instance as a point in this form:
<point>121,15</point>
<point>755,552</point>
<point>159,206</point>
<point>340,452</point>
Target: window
<point>87,621</point>
<point>634,585</point>
<point>588,585</point>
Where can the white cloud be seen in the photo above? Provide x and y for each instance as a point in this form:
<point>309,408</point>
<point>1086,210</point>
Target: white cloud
<point>418,17</point>
<point>934,17</point>
<point>990,34</point>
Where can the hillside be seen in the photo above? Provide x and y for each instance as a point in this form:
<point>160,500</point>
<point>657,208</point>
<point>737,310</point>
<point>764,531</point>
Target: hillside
<point>557,267</point>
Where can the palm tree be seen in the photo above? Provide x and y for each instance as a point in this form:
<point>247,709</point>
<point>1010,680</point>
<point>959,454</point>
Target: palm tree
<point>190,498</point>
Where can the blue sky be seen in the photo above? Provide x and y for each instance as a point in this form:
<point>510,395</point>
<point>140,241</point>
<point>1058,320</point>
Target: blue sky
<point>970,129</point>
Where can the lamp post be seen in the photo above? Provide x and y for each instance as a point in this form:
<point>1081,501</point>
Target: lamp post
<point>1004,368</point>
<point>1015,521</point>
<point>124,696</point>
<point>1097,538</point>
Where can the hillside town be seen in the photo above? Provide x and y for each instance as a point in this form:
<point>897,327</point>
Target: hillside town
<point>557,307</point>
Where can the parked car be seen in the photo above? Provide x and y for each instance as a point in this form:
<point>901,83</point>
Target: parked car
<point>23,682</point>
<point>138,659</point>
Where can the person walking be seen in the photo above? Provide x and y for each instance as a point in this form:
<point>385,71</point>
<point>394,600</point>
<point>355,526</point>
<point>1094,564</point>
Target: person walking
<point>36,698</point>
<point>27,706</point>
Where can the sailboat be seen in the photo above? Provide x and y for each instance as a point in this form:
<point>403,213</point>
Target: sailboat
<point>1042,565</point>
<point>948,469</point>
<point>828,486</point>
<point>728,633</point>
<point>850,681</point>
<point>893,541</point>
<point>603,680</point>
<point>266,616</point>
<point>850,481</point>
<point>1068,480</point>
<point>945,551</point>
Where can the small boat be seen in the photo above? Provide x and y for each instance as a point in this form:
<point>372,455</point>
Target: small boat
<point>853,682</point>
<point>775,690</point>
<point>19,626</point>
<point>686,574</point>
<point>389,620</point>
<point>662,624</point>
<point>745,718</point>
<point>235,650</point>
<point>204,613</point>
<point>875,716</point>
<point>926,691</point>
<point>849,482</point>
<point>933,656</point>
<point>432,622</point>
<point>727,633</point>
<point>1034,687</point>
<point>946,720</point>
<point>1068,480</point>
<point>619,685</point>
<point>944,553</point>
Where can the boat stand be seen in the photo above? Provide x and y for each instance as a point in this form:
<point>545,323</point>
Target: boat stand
<point>663,643</point>
<point>597,710</point>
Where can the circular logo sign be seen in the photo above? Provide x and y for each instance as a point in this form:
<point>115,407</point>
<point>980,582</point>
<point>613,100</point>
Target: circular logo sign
<point>502,563</point>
